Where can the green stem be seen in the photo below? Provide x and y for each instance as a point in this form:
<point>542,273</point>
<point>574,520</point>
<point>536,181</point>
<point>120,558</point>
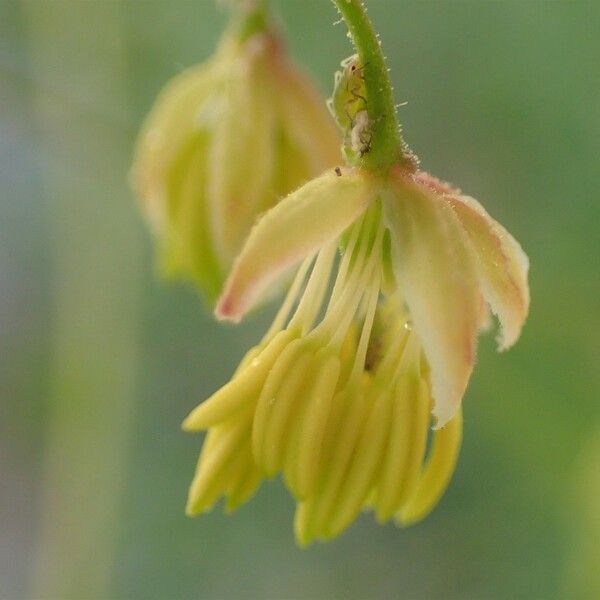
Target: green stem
<point>89,416</point>
<point>253,17</point>
<point>386,140</point>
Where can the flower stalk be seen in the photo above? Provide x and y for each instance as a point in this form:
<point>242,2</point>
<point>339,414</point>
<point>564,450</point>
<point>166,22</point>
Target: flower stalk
<point>253,17</point>
<point>387,147</point>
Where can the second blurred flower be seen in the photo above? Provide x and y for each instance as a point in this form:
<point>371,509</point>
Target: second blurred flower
<point>225,140</point>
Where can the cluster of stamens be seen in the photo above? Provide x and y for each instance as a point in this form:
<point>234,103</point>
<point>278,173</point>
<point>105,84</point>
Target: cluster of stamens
<point>335,397</point>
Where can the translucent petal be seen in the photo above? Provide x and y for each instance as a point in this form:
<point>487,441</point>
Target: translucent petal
<point>298,226</point>
<point>501,267</point>
<point>434,270</point>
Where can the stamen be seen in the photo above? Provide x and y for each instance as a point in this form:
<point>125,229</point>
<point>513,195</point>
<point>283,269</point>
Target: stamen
<point>396,357</point>
<point>365,464</point>
<point>396,456</point>
<point>418,430</point>
<point>370,278</point>
<point>284,312</point>
<point>339,315</point>
<point>268,395</point>
<point>280,419</point>
<point>436,474</point>
<point>312,298</point>
<point>241,390</point>
<point>346,259</point>
<point>352,256</point>
<point>314,424</point>
<point>357,410</point>
<point>214,472</point>
<point>363,344</point>
<point>244,487</point>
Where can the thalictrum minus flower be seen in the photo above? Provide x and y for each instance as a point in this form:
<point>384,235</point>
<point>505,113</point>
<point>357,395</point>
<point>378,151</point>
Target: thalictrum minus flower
<point>376,340</point>
<point>224,141</point>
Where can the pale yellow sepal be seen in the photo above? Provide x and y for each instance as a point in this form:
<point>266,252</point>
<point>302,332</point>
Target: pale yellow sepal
<point>439,284</point>
<point>502,267</point>
<point>298,226</point>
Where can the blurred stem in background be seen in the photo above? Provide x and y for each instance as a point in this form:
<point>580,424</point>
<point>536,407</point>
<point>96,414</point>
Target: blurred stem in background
<point>583,518</point>
<point>97,272</point>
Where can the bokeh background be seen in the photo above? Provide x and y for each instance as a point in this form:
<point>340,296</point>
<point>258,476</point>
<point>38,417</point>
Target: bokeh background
<point>100,361</point>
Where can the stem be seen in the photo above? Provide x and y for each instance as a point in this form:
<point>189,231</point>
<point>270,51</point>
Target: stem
<point>90,412</point>
<point>253,17</point>
<point>386,140</point>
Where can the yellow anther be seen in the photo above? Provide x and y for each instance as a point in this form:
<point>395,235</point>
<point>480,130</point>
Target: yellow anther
<point>436,475</point>
<point>314,424</point>
<point>214,470</point>
<point>365,464</point>
<point>277,421</point>
<point>396,460</point>
<point>272,387</point>
<point>240,391</point>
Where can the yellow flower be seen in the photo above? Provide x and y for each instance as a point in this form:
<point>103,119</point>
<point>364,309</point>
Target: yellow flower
<point>225,140</point>
<point>377,335</point>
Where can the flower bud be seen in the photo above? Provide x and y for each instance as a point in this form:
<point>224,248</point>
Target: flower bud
<point>224,141</point>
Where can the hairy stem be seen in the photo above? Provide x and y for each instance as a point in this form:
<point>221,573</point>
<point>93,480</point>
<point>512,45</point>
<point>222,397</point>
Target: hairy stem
<point>386,140</point>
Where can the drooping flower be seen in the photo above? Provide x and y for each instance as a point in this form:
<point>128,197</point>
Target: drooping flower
<point>397,273</point>
<point>224,141</point>
<point>377,333</point>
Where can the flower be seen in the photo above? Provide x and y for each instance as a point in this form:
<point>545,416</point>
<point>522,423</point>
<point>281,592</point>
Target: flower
<point>223,142</point>
<point>374,342</point>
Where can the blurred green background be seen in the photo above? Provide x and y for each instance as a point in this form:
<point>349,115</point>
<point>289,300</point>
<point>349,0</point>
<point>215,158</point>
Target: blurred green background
<point>100,361</point>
